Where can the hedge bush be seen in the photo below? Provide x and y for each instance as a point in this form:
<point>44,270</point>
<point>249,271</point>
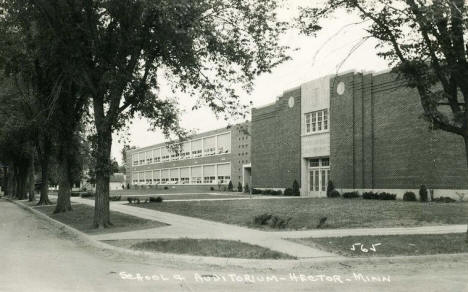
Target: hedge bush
<point>267,192</point>
<point>444,200</point>
<point>423,193</point>
<point>330,188</point>
<point>351,195</point>
<point>288,192</point>
<point>370,196</point>
<point>158,199</point>
<point>87,195</point>
<point>256,191</point>
<point>295,188</point>
<point>262,219</point>
<point>115,198</point>
<point>271,220</point>
<point>387,196</point>
<point>334,194</point>
<point>409,196</point>
<point>378,196</point>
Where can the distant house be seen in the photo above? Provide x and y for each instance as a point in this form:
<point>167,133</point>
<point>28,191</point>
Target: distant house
<point>116,181</point>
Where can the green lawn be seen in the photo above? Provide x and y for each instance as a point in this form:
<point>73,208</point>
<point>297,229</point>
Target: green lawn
<point>81,218</point>
<point>306,213</point>
<point>391,245</point>
<point>203,247</point>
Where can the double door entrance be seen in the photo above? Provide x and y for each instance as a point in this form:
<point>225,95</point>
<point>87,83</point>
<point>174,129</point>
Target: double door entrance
<point>319,173</point>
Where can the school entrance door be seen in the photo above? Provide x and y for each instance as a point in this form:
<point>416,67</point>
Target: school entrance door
<point>319,173</point>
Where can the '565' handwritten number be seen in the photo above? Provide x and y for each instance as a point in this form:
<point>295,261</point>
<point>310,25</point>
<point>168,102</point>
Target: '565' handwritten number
<point>363,249</point>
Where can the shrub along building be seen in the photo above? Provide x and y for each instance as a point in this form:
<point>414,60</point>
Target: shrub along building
<point>362,131</point>
<point>208,159</point>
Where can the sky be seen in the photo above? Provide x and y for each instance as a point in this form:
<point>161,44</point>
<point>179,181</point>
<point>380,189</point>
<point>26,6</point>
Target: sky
<point>326,54</point>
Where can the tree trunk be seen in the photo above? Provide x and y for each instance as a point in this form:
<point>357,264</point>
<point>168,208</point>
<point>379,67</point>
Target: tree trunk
<point>5,181</point>
<point>63,199</point>
<point>17,191</point>
<point>465,138</point>
<point>31,180</point>
<point>103,165</point>
<point>11,180</point>
<point>44,157</point>
<point>21,178</point>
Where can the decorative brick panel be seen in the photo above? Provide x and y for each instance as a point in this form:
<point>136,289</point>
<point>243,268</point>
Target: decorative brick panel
<point>276,144</point>
<point>379,139</point>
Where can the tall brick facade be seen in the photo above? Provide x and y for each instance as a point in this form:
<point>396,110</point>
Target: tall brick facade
<point>378,139</point>
<point>276,144</point>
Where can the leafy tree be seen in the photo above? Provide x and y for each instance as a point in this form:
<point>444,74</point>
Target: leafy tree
<point>113,52</point>
<point>239,187</point>
<point>246,188</point>
<point>203,47</point>
<point>16,148</point>
<point>330,188</point>
<point>295,188</point>
<point>424,42</point>
<point>43,54</point>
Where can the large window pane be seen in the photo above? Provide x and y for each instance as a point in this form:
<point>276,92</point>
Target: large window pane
<point>165,173</point>
<point>157,177</point>
<point>157,155</point>
<point>197,148</point>
<point>224,173</point>
<point>196,174</point>
<point>174,176</point>
<point>209,145</point>
<point>185,175</point>
<point>224,143</point>
<point>164,154</point>
<point>186,152</point>
<point>209,174</point>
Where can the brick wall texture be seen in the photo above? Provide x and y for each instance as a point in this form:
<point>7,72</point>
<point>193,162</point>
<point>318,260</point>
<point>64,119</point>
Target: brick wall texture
<point>276,144</point>
<point>379,139</point>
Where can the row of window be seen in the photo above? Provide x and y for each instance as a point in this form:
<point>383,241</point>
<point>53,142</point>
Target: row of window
<point>203,174</point>
<point>208,146</point>
<point>316,121</point>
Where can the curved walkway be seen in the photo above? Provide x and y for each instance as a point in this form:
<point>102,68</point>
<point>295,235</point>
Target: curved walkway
<point>184,226</point>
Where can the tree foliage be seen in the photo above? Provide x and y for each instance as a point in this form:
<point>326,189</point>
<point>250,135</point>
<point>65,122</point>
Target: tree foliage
<point>425,42</point>
<point>202,48</point>
<point>113,55</point>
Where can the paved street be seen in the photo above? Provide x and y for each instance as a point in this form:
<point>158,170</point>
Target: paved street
<point>38,257</point>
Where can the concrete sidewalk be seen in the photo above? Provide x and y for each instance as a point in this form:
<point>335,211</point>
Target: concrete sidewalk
<point>184,226</point>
